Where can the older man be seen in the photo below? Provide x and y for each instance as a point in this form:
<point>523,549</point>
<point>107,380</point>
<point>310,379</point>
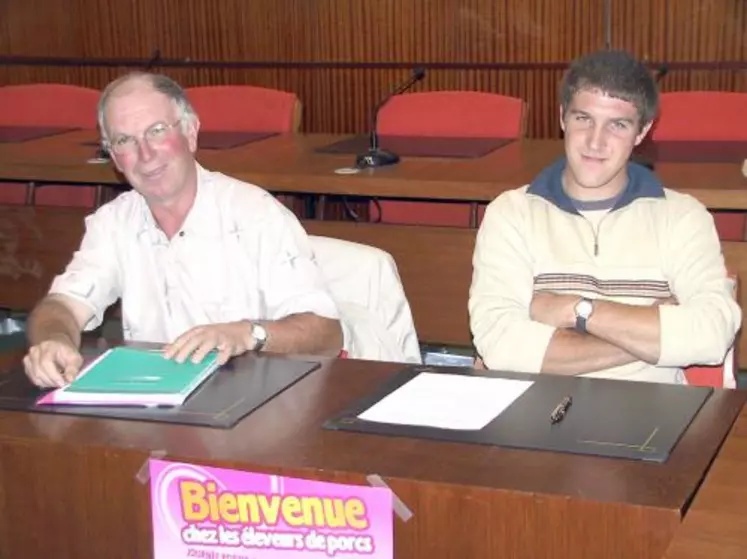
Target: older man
<point>200,261</point>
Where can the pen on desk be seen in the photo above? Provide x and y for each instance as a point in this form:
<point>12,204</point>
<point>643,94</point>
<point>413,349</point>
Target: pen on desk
<point>560,410</point>
<point>138,379</point>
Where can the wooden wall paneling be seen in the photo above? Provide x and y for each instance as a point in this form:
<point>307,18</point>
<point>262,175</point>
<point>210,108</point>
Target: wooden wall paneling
<point>681,31</point>
<point>469,33</point>
<point>331,31</point>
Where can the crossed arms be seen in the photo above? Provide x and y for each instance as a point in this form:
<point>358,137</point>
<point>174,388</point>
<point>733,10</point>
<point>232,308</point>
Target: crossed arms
<point>618,334</point>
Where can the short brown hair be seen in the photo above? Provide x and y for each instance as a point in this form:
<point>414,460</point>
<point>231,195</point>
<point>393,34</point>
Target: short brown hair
<point>615,73</point>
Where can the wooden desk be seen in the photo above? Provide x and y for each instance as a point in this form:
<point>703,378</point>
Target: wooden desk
<point>434,262</point>
<point>68,487</point>
<point>715,526</point>
<point>289,163</point>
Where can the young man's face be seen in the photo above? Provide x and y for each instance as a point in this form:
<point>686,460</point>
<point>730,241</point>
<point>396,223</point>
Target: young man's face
<point>600,134</point>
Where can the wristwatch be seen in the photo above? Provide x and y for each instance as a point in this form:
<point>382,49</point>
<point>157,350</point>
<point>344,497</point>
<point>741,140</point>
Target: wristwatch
<point>260,336</point>
<point>583,310</point>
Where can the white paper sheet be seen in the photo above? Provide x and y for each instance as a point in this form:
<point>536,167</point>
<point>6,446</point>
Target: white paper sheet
<point>447,401</point>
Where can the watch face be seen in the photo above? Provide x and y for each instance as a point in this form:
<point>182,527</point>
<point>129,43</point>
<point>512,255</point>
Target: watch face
<point>584,308</point>
<point>259,333</point>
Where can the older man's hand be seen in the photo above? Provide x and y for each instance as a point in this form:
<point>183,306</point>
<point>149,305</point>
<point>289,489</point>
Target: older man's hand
<point>53,363</point>
<point>229,339</point>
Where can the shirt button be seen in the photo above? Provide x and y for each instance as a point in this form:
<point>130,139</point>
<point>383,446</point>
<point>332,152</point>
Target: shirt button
<point>181,233</point>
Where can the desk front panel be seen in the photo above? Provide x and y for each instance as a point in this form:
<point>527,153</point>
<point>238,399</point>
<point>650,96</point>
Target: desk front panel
<point>68,485</point>
<point>715,525</point>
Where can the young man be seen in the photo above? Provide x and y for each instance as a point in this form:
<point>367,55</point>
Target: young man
<point>595,268</point>
<point>201,261</point>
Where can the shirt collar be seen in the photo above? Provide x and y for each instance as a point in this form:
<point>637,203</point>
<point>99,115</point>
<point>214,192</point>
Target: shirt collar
<point>642,183</point>
<point>202,219</point>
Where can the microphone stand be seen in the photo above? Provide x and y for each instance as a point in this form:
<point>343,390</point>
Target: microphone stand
<point>376,156</point>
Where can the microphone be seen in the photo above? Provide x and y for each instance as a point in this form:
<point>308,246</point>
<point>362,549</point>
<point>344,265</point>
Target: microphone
<point>661,72</point>
<point>377,157</point>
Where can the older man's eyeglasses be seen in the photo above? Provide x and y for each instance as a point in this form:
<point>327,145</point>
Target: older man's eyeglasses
<point>153,135</point>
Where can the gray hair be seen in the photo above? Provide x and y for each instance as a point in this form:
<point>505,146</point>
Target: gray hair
<point>160,83</point>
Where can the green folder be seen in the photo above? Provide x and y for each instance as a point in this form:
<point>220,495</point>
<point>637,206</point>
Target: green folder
<point>131,376</point>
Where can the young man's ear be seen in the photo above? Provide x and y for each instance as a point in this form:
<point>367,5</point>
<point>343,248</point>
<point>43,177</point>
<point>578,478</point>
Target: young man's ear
<point>561,116</point>
<point>642,133</point>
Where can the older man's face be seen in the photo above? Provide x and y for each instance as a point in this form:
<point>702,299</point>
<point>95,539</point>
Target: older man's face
<point>151,146</point>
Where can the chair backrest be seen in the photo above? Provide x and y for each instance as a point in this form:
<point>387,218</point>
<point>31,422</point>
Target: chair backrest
<point>718,376</point>
<point>48,104</point>
<point>453,114</point>
<point>701,116</point>
<point>375,314</point>
<point>245,108</point>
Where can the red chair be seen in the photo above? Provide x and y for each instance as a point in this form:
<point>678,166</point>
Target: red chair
<point>701,116</point>
<point>717,376</point>
<point>706,116</point>
<point>447,114</point>
<point>245,108</point>
<point>48,105</point>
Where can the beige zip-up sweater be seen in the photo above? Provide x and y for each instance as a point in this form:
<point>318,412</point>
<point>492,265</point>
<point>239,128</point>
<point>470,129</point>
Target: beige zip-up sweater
<point>652,244</point>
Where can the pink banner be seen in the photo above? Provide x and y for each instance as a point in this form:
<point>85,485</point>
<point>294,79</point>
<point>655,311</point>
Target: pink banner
<point>214,513</point>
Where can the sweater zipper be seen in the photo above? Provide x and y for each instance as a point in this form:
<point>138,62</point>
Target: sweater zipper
<point>595,231</point>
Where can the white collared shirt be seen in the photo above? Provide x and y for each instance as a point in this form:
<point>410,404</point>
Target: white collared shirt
<point>239,255</point>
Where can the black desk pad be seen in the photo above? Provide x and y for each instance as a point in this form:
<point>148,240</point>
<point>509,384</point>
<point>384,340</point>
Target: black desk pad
<point>691,152</point>
<point>211,139</point>
<point>230,394</point>
<point>18,134</point>
<point>615,419</point>
<point>420,146</point>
